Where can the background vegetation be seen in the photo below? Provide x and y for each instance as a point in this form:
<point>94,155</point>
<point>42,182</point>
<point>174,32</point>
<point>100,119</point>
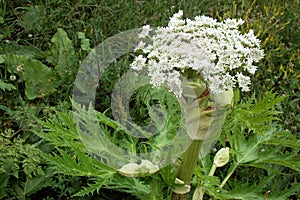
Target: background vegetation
<point>32,33</point>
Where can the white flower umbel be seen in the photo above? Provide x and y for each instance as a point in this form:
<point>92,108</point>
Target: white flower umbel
<point>217,51</point>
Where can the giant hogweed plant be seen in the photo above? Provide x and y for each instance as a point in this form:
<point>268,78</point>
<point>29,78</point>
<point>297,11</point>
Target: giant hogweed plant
<point>199,62</point>
<point>254,140</point>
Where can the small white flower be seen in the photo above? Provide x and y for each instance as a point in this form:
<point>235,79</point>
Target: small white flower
<point>157,78</point>
<point>176,20</point>
<point>174,83</point>
<point>20,68</point>
<point>204,20</point>
<point>138,63</point>
<point>251,69</point>
<point>177,15</point>
<point>12,78</point>
<point>145,31</point>
<point>244,81</point>
<point>252,38</point>
<point>140,46</point>
<point>256,54</point>
<point>233,23</point>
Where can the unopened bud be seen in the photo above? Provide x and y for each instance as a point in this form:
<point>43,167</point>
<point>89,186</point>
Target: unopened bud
<point>224,98</point>
<point>222,157</point>
<point>133,169</point>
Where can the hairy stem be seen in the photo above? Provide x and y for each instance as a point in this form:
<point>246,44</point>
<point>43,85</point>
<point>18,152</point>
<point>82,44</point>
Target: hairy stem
<point>186,169</point>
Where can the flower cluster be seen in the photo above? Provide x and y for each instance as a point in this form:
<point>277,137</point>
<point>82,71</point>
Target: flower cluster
<point>221,55</point>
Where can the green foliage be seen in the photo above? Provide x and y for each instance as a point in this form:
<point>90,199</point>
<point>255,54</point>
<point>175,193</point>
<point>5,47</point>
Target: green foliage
<point>20,167</point>
<point>39,79</point>
<point>6,86</point>
<point>85,42</point>
<point>62,55</point>
<point>37,76</point>
<point>256,143</point>
<point>32,185</point>
<point>71,147</point>
<point>246,191</point>
<point>252,150</point>
<point>156,110</point>
<point>71,157</point>
<point>256,115</point>
<point>250,129</point>
<point>253,143</point>
<point>34,17</point>
<point>2,11</point>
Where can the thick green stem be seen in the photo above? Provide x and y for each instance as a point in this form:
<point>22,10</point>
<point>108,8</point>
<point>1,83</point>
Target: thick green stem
<point>198,119</point>
<point>189,161</point>
<point>176,196</point>
<point>186,169</point>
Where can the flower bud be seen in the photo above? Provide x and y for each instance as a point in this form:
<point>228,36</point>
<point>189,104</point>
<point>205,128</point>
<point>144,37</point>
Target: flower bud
<point>224,98</point>
<point>133,169</point>
<point>222,157</point>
